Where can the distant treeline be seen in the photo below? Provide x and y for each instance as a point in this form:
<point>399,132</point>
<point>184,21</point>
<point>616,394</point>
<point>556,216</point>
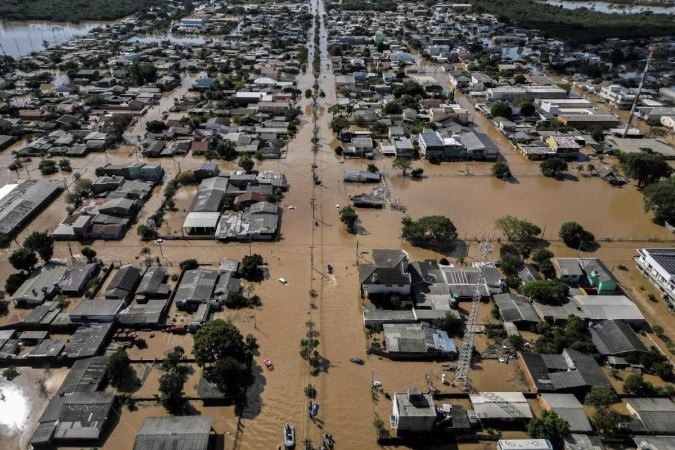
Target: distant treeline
<point>72,10</point>
<point>577,26</point>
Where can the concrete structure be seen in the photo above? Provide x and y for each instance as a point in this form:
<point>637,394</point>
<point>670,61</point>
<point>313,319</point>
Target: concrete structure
<point>19,202</point>
<point>413,411</point>
<point>658,265</point>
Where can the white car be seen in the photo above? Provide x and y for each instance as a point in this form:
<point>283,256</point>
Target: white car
<point>283,281</point>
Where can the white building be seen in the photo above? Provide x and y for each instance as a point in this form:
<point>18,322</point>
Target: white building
<point>617,95</point>
<point>524,444</point>
<point>658,264</point>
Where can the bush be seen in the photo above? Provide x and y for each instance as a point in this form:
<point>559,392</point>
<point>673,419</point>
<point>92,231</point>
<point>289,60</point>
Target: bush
<point>48,167</point>
<point>186,177</point>
<point>189,264</point>
<point>349,217</point>
<point>574,236</point>
<point>501,109</point>
<point>310,391</point>
<point>546,291</point>
<point>553,167</point>
<point>249,269</point>
<point>429,232</point>
<point>14,282</point>
<point>145,232</point>
<point>88,253</point>
<point>417,173</point>
<point>10,373</point>
<point>501,170</point>
<point>117,366</point>
<point>541,254</point>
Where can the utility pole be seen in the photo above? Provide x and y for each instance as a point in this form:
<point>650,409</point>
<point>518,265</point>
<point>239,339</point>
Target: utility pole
<point>652,48</point>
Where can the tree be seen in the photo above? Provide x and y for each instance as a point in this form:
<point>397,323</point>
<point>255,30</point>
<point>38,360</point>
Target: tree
<point>527,109</point>
<point>546,291</point>
<point>145,232</point>
<point>249,269</point>
<point>189,264</point>
<point>230,375</point>
<point>429,231</point>
<point>372,168</point>
<point>349,217</point>
<point>48,167</point>
<point>607,422</point>
<point>600,397</point>
<point>636,384</point>
<point>574,236</point>
<point>88,253</point>
<point>521,233</point>
<point>501,109</point>
<point>171,390</point>
<point>23,259</point>
<point>226,149</point>
<point>553,167</point>
<point>42,243</point>
<point>501,169</point>
<point>645,167</point>
<point>551,426</point>
<point>246,163</point>
<point>14,282</point>
<point>541,254</point>
<point>173,358</point>
<point>402,164</point>
<point>117,366</point>
<point>447,323</point>
<point>308,93</point>
<point>659,199</point>
<point>337,124</point>
<point>393,108</point>
<point>417,173</point>
<point>216,340</point>
<point>155,126</point>
<point>140,73</point>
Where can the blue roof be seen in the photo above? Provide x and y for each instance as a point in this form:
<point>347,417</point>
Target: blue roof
<point>205,82</point>
<point>443,342</point>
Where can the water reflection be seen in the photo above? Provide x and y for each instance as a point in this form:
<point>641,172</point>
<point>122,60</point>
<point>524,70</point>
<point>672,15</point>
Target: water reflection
<point>14,407</point>
<point>612,8</point>
<point>21,38</point>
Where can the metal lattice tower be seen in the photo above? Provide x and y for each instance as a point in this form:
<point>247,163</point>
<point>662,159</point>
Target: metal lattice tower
<point>652,49</point>
<point>466,352</point>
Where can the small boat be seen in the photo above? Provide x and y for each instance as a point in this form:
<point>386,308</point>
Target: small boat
<point>269,365</point>
<point>289,436</point>
<point>313,409</point>
<point>328,440</point>
<point>377,384</point>
<point>358,361</point>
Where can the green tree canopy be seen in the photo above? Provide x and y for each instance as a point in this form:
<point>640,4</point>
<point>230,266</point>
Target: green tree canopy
<point>645,167</point>
<point>520,232</point>
<point>574,236</point>
<point>249,269</point>
<point>189,264</point>
<point>42,243</point>
<point>600,397</point>
<point>402,164</point>
<point>501,169</point>
<point>23,259</point>
<point>546,291</point>
<point>349,217</point>
<point>551,426</point>
<point>553,167</point>
<point>216,340</point>
<point>429,231</point>
<point>554,338</point>
<point>659,199</point>
<point>117,366</point>
<point>501,109</point>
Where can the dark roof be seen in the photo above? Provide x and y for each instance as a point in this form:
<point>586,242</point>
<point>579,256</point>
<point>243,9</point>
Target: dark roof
<point>614,337</point>
<point>664,256</point>
<point>86,375</point>
<point>153,278</point>
<point>570,370</point>
<point>515,308</point>
<point>196,285</point>
<point>208,390</point>
<point>383,275</point>
<point>88,340</point>
<point>653,414</point>
<point>148,313</point>
<point>175,433</point>
<point>84,415</point>
<point>124,281</point>
<point>569,408</point>
<point>208,200</point>
<point>47,348</point>
<point>96,308</point>
<point>76,277</point>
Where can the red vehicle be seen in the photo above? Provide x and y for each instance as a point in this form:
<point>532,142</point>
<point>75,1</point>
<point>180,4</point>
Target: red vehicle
<point>269,365</point>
